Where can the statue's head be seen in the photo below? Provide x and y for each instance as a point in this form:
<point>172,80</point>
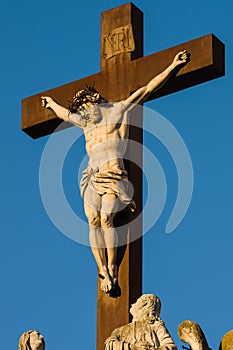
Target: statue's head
<point>146,309</point>
<point>227,341</point>
<point>82,97</point>
<point>31,340</point>
<point>190,332</point>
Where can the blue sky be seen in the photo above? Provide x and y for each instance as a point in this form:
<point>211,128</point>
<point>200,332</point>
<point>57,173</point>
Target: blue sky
<point>48,282</point>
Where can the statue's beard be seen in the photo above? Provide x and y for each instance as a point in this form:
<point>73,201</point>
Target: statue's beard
<point>39,346</point>
<point>95,116</point>
<point>150,319</point>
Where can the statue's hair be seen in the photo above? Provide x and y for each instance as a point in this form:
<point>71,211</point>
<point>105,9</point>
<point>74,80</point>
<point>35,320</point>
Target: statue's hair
<point>24,341</point>
<point>90,94</point>
<point>146,303</point>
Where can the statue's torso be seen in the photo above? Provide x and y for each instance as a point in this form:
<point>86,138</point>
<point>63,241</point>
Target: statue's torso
<point>106,139</point>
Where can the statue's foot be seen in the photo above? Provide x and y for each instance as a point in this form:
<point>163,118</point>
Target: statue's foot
<point>106,284</point>
<point>113,272</point>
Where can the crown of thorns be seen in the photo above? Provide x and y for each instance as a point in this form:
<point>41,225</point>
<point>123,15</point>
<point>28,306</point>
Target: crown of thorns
<point>90,94</point>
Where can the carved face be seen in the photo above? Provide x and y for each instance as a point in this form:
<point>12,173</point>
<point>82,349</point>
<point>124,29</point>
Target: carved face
<point>31,340</point>
<point>150,317</point>
<point>143,314</point>
<point>146,309</point>
<point>36,340</point>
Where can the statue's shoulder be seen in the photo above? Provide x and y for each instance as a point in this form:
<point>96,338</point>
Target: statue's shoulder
<point>113,112</point>
<point>158,324</point>
<point>123,330</point>
<point>110,107</point>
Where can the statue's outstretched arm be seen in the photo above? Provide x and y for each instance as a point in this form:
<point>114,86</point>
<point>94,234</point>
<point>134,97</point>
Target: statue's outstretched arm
<point>139,96</point>
<point>61,112</point>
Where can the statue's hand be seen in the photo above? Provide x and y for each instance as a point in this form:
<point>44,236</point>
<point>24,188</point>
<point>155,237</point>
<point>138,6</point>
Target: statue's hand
<point>182,57</point>
<point>46,100</point>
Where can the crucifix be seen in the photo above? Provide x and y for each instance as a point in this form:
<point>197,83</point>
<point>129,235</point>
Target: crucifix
<point>123,71</point>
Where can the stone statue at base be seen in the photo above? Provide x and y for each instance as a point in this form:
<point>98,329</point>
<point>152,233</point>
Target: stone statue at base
<point>227,341</point>
<point>146,332</point>
<point>31,340</point>
<point>190,332</point>
<point>104,184</point>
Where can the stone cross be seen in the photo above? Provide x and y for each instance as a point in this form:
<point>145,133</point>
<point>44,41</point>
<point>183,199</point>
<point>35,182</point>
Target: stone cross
<point>124,70</point>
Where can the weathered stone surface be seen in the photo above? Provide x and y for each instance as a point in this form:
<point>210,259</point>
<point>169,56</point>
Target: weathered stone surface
<point>146,332</point>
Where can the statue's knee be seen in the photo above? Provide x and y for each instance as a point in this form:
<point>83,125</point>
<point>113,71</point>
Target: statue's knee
<point>106,220</point>
<point>94,220</point>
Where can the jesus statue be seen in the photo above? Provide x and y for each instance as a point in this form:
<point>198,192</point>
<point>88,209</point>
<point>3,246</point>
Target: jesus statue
<point>104,183</point>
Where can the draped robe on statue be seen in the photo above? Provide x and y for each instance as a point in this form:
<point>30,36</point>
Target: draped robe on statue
<point>133,334</point>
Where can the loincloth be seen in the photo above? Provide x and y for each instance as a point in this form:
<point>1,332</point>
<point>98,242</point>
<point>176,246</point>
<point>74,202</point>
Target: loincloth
<point>113,181</point>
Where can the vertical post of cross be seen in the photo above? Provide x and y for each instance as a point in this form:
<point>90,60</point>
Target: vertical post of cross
<point>122,42</point>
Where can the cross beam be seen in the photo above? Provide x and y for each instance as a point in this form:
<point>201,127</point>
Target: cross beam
<point>119,77</point>
<point>124,70</point>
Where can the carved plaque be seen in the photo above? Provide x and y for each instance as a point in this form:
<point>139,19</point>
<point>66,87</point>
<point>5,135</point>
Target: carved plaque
<point>118,41</point>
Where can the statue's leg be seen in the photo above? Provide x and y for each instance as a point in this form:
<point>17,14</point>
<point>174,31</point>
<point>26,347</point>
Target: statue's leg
<point>108,212</point>
<point>92,210</point>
